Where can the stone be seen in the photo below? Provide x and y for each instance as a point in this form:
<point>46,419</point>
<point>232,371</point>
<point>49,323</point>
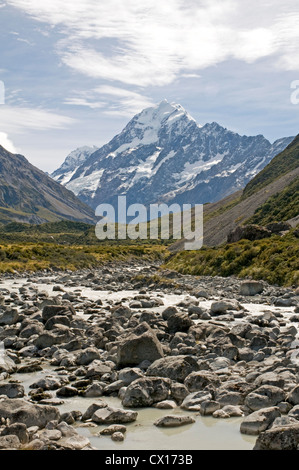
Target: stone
<point>293,396</point>
<point>113,429</point>
<point>111,415</point>
<point>122,312</point>
<point>229,397</point>
<point>165,405</point>
<point>264,397</point>
<point>168,312</point>
<point>208,407</point>
<point>220,363</point>
<point>173,421</point>
<point>47,340</point>
<point>259,421</point>
<point>48,383</point>
<point>74,442</point>
<point>222,306</point>
<point>294,412</point>
<point>50,435</point>
<point>173,367</point>
<point>118,437</point>
<point>94,390</point>
<point>233,411</point>
<point>12,390</point>
<point>248,232</point>
<point>128,375</point>
<point>21,411</point>
<point>97,369</point>
<point>178,392</point>
<point>57,320</point>
<point>50,311</point>
<point>9,442</point>
<point>67,391</point>
<point>99,404</point>
<point>133,349</point>
<point>19,430</point>
<point>283,421</point>
<point>279,438</point>
<point>87,356</point>
<point>32,328</point>
<point>146,391</point>
<point>258,342</point>
<point>251,288</point>
<point>197,381</point>
<point>245,354</point>
<point>271,378</point>
<point>193,401</point>
<point>220,414</point>
<point>35,445</point>
<point>7,365</point>
<point>10,317</point>
<point>179,322</point>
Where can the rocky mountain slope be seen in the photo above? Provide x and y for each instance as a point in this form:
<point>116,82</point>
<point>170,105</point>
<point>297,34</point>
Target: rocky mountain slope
<point>71,164</point>
<point>28,195</point>
<point>163,155</point>
<point>272,196</point>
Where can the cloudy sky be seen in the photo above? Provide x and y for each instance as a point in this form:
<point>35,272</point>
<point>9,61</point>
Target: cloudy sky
<point>75,72</point>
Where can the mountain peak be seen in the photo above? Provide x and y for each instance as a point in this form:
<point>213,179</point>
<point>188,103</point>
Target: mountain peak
<point>164,111</point>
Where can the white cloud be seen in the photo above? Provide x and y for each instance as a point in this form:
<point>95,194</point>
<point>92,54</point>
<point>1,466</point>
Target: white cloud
<point>7,143</point>
<point>114,101</point>
<point>84,102</point>
<point>124,102</point>
<point>154,42</point>
<point>21,119</point>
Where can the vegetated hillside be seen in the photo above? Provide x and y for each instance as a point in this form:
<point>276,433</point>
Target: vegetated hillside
<point>283,206</point>
<point>274,260</point>
<point>28,195</point>
<point>282,164</point>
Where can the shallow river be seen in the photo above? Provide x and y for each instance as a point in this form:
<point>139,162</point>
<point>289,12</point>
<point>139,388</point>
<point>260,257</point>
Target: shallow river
<point>207,433</point>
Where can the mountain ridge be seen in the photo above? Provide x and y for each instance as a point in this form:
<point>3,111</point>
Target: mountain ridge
<point>164,155</point>
<point>27,194</point>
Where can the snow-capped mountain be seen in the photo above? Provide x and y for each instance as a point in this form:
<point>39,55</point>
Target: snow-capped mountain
<point>72,162</point>
<point>163,155</point>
